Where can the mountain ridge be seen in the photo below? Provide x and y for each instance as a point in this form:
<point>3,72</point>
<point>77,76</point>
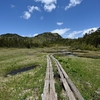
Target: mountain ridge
<point>43,39</point>
<point>48,39</point>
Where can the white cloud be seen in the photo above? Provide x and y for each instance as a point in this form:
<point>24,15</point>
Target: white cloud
<point>89,31</point>
<point>59,23</point>
<point>81,33</point>
<point>73,34</point>
<point>12,6</point>
<point>35,35</point>
<point>26,15</point>
<point>49,5</point>
<point>60,31</point>
<point>73,3</point>
<point>47,1</point>
<point>32,8</point>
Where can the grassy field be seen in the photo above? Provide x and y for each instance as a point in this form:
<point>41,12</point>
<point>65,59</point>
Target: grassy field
<point>28,85</point>
<point>22,86</point>
<point>85,73</point>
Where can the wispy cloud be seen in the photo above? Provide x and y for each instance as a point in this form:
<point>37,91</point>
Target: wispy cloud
<point>74,34</point>
<point>49,5</point>
<point>81,33</point>
<point>90,30</point>
<point>73,3</point>
<point>35,35</point>
<point>59,23</point>
<point>32,8</point>
<point>12,6</point>
<point>27,14</point>
<point>61,31</point>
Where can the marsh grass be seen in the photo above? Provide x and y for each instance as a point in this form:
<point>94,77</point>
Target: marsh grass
<point>14,59</point>
<point>85,73</point>
<point>23,86</point>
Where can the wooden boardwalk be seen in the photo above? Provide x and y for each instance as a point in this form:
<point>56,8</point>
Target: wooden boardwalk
<point>71,90</point>
<point>49,87</point>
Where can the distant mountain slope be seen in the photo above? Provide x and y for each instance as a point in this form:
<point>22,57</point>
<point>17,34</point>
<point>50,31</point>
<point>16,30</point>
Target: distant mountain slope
<point>90,41</point>
<point>10,35</point>
<point>11,40</point>
<point>46,37</point>
<point>93,38</point>
<point>41,40</point>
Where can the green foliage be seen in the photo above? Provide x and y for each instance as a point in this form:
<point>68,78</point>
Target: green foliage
<point>46,39</point>
<point>85,74</point>
<point>26,85</point>
<point>90,41</point>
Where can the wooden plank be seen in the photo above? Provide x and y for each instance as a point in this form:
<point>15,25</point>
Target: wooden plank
<point>47,74</point>
<point>75,90</point>
<point>70,83</point>
<point>68,90</point>
<point>73,87</point>
<point>61,75</point>
<point>49,88</point>
<point>53,95</point>
<point>45,95</point>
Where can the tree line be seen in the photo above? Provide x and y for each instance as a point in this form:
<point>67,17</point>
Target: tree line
<point>48,39</point>
<point>90,41</point>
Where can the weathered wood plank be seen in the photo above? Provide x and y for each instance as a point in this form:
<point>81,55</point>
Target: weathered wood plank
<point>73,87</point>
<point>68,90</point>
<point>70,83</point>
<point>53,95</point>
<point>49,88</point>
<point>45,95</point>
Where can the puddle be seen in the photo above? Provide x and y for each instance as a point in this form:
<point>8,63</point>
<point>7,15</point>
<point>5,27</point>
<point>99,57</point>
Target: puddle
<point>14,72</point>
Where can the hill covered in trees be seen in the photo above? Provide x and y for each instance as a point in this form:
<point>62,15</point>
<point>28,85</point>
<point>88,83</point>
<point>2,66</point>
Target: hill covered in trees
<point>48,39</point>
<point>41,40</point>
<point>90,41</point>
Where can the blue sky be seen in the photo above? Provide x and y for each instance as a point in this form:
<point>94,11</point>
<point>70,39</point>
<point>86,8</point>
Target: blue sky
<point>69,18</point>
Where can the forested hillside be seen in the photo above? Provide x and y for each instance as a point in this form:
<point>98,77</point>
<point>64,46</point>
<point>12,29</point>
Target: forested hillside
<point>87,42</point>
<point>41,40</point>
<point>90,41</point>
<point>47,39</point>
<point>13,40</point>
